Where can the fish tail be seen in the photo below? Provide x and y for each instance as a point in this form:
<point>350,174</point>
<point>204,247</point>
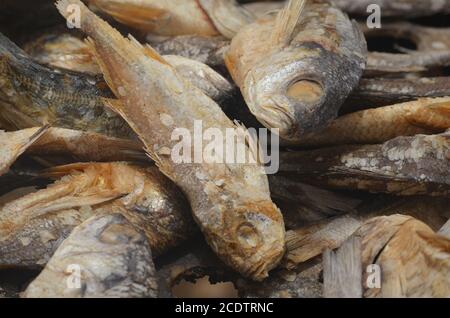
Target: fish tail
<point>287,21</point>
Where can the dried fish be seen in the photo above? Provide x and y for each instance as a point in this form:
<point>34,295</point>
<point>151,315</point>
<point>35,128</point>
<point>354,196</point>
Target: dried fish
<point>297,79</point>
<point>179,17</point>
<point>32,95</point>
<point>376,92</point>
<point>373,126</point>
<point>415,261</point>
<point>432,50</point>
<point>402,166</point>
<point>33,226</point>
<point>399,8</point>
<point>311,240</point>
<point>108,256</point>
<point>230,202</point>
<point>445,230</point>
<point>207,50</point>
<point>69,52</point>
<point>14,144</point>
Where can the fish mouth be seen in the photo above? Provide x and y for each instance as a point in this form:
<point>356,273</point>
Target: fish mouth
<point>275,115</point>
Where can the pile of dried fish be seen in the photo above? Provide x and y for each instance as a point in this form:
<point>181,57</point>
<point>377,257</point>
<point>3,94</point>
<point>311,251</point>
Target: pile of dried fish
<point>102,194</point>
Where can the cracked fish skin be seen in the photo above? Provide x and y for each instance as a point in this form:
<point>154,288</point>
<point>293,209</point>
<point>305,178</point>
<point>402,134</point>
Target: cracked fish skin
<point>297,79</point>
<point>33,226</point>
<point>178,17</point>
<point>230,202</point>
<point>33,95</point>
<point>402,166</point>
<point>378,125</point>
<point>13,144</point>
<point>115,261</point>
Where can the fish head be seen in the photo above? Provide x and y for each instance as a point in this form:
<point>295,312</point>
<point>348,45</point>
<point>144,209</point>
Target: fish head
<point>286,92</point>
<point>255,239</point>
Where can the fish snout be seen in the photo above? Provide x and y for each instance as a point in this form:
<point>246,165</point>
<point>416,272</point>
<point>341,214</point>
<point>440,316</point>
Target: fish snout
<point>258,240</point>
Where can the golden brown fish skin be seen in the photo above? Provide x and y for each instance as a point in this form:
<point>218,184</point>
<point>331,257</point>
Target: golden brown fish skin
<point>114,258</point>
<point>415,261</point>
<point>373,126</point>
<point>13,144</point>
<point>178,17</point>
<point>298,83</point>
<point>87,146</point>
<point>403,166</point>
<point>33,226</point>
<point>33,95</point>
<point>230,202</point>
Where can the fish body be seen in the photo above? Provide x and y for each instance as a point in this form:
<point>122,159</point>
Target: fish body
<point>33,226</point>
<point>178,17</point>
<point>414,259</point>
<point>33,95</point>
<point>109,257</point>
<point>295,68</point>
<point>69,52</point>
<point>230,202</point>
<point>378,125</point>
<point>403,166</point>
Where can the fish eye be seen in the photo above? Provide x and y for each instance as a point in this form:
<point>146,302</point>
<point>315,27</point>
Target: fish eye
<point>248,235</point>
<point>306,91</point>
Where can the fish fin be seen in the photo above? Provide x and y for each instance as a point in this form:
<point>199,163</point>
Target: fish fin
<point>151,53</point>
<point>106,75</point>
<point>286,22</point>
<point>435,116</point>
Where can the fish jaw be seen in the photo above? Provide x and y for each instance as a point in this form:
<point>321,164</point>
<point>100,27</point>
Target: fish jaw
<point>255,239</point>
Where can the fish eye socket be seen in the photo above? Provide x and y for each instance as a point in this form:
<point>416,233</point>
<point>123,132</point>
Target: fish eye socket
<point>306,91</point>
<point>248,235</point>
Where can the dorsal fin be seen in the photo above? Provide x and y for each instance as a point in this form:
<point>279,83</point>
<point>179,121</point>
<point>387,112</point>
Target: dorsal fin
<point>286,22</point>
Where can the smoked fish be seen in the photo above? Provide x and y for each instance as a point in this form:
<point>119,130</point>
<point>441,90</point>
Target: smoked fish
<point>230,202</point>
